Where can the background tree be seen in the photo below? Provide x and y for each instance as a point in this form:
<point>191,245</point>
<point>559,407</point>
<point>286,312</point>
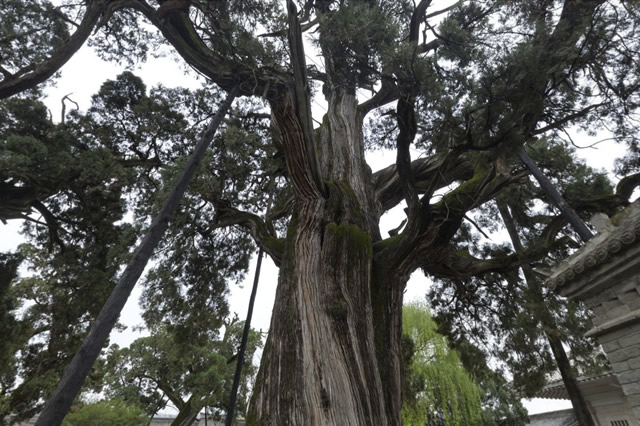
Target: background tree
<point>530,335</point>
<point>113,412</point>
<point>81,175</point>
<point>57,171</point>
<point>466,92</point>
<point>438,390</point>
<point>169,367</point>
<point>10,327</point>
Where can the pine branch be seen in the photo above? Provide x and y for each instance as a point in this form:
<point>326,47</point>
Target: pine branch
<point>69,386</point>
<point>34,74</point>
<point>263,234</point>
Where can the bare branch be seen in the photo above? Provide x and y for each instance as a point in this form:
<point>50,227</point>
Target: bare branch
<point>475,225</point>
<point>64,106</point>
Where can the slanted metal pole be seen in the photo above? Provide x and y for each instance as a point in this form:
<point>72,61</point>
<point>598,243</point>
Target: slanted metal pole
<point>243,343</point>
<point>551,191</point>
<point>74,376</point>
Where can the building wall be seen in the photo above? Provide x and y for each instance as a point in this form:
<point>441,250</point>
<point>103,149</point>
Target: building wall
<point>608,404</point>
<point>617,328</point>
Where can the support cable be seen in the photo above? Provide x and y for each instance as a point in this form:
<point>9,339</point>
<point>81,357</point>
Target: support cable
<point>546,185</point>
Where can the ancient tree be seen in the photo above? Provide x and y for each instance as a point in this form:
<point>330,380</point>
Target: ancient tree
<point>456,92</point>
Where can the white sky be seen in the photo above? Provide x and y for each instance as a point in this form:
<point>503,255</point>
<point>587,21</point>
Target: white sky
<point>85,72</point>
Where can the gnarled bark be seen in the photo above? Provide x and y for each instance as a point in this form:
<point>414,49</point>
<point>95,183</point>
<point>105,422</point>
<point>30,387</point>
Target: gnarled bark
<point>330,357</point>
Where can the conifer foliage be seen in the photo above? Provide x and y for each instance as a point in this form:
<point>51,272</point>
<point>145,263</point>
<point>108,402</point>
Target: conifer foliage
<point>454,90</point>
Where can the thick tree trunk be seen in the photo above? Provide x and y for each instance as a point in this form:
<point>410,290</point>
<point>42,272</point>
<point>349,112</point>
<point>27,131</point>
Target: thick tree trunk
<point>188,414</point>
<point>333,352</point>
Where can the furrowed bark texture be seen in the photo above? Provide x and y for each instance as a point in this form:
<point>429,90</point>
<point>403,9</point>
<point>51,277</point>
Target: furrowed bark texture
<point>321,364</point>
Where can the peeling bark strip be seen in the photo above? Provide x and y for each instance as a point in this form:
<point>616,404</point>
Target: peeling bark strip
<point>301,100</point>
<point>58,405</point>
<point>291,113</point>
<point>295,153</point>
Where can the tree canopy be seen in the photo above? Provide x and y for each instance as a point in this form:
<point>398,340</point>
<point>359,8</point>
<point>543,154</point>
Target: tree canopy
<point>167,367</point>
<point>455,90</point>
<point>107,413</point>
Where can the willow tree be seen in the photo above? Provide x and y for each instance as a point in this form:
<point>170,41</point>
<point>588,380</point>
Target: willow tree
<point>466,85</point>
<point>438,390</point>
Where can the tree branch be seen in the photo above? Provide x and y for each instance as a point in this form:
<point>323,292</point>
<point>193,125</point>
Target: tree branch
<point>263,234</point>
<point>627,185</point>
<point>302,161</point>
<point>52,224</point>
<point>40,72</point>
<point>387,182</point>
<point>461,264</point>
<point>178,30</point>
<point>566,119</point>
<point>388,93</point>
<point>76,372</point>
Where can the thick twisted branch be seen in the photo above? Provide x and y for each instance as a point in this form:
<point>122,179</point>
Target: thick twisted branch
<point>178,30</point>
<point>262,232</point>
<point>427,172</point>
<point>35,74</point>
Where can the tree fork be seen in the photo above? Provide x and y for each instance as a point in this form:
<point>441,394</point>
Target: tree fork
<point>74,376</point>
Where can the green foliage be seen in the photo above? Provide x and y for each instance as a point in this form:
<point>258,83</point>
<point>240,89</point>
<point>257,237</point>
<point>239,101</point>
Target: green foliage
<point>168,366</point>
<point>356,36</point>
<point>81,176</point>
<point>76,244</point>
<point>509,316</point>
<point>10,327</point>
<point>29,32</point>
<point>488,78</point>
<point>438,389</point>
<point>112,412</point>
<point>501,406</point>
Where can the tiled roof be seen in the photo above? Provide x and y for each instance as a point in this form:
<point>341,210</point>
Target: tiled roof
<point>608,244</point>
<point>556,389</point>
<point>556,418</point>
